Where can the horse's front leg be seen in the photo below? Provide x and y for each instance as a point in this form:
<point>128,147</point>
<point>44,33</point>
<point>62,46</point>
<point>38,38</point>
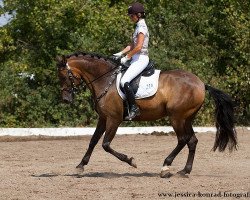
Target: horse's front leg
<point>100,129</point>
<point>111,128</point>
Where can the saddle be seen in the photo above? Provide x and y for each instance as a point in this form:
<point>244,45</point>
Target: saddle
<point>148,71</point>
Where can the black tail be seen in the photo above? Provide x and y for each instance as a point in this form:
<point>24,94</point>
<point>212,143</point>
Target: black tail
<point>224,113</point>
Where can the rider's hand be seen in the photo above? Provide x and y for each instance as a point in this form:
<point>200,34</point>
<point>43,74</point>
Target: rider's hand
<point>124,60</point>
<point>118,55</point>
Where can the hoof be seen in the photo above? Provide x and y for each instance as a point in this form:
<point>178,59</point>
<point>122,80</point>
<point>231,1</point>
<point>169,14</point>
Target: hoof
<point>132,162</point>
<point>182,174</point>
<point>165,172</point>
<point>79,170</point>
<point>80,166</point>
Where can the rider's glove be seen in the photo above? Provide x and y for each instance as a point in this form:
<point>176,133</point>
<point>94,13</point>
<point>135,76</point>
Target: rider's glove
<point>124,60</point>
<point>118,55</point>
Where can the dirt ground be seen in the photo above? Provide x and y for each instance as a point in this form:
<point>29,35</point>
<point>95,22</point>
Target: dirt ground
<point>44,168</point>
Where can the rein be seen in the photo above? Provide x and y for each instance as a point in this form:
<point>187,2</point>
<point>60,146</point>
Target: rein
<point>103,75</point>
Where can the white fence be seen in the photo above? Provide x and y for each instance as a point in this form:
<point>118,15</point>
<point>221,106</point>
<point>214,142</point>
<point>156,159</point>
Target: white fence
<point>90,131</point>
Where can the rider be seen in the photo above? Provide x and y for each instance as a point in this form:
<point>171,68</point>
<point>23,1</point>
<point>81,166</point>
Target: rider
<point>138,54</point>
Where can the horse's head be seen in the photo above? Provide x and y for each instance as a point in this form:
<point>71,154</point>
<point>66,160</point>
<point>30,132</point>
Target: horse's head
<point>69,78</point>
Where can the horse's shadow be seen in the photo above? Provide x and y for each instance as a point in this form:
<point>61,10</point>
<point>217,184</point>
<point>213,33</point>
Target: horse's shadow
<point>113,175</point>
<point>108,175</point>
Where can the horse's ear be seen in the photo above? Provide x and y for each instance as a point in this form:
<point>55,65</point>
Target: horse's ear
<point>60,58</point>
<point>61,61</point>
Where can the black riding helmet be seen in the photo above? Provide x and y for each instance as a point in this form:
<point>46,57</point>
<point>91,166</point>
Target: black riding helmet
<point>135,8</point>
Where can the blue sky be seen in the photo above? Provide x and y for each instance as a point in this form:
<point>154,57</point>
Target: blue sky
<point>3,18</point>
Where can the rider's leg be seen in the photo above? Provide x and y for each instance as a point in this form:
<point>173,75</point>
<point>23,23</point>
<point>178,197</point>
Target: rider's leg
<point>138,64</point>
<point>133,108</point>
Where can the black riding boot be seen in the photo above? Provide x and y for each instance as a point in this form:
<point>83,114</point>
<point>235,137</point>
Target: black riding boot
<point>133,108</point>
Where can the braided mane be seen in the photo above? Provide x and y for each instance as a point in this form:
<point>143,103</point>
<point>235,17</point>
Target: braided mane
<point>93,55</point>
<point>61,61</point>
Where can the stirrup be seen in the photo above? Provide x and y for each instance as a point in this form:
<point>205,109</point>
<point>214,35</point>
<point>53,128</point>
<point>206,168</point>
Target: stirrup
<point>132,114</point>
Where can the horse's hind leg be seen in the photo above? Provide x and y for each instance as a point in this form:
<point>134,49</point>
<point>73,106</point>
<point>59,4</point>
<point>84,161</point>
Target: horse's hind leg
<point>111,128</point>
<point>100,128</point>
<point>179,128</point>
<point>192,148</point>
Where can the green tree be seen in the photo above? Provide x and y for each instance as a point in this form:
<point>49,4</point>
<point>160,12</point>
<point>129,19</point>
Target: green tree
<point>209,38</point>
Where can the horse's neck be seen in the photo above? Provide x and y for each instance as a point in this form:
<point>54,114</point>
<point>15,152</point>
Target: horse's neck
<point>97,75</point>
<point>95,68</point>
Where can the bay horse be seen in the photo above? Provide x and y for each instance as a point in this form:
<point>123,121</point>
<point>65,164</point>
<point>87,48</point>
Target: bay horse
<point>180,95</point>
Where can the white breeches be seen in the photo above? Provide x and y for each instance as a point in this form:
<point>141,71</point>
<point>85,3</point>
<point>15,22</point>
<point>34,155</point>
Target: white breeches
<point>138,64</point>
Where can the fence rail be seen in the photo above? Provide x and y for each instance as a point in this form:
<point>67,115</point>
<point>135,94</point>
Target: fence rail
<point>89,131</point>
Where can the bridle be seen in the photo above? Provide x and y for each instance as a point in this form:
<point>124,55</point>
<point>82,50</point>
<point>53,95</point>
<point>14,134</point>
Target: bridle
<point>73,87</point>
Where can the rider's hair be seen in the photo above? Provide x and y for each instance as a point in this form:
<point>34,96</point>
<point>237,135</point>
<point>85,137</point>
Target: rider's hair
<point>141,15</point>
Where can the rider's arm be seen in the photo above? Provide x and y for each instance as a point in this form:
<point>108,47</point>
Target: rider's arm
<point>127,49</point>
<point>124,51</point>
<point>138,46</point>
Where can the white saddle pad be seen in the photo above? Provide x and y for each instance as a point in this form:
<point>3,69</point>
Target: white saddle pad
<point>147,86</point>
